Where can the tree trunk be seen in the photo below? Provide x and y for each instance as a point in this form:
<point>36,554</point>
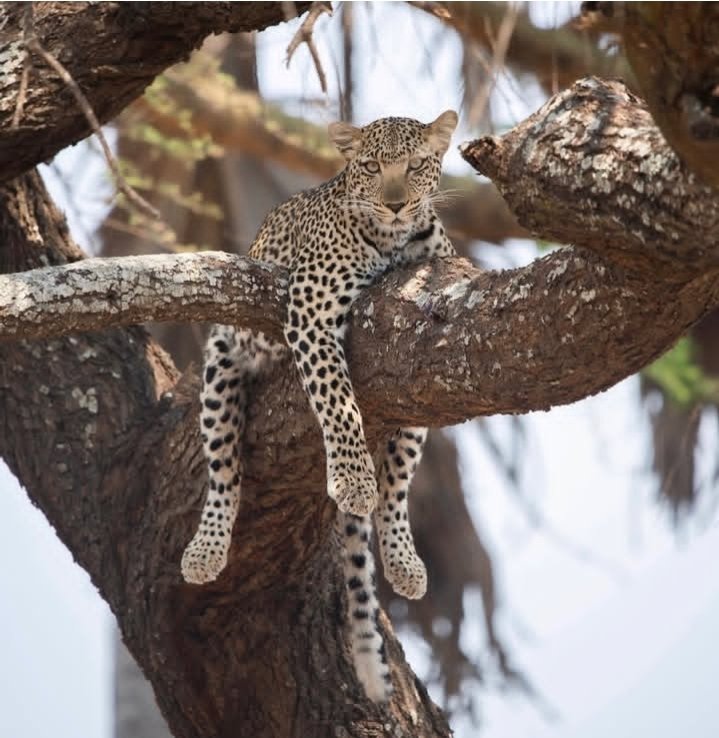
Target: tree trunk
<point>119,472</point>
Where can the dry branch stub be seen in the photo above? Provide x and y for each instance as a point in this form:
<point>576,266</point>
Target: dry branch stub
<point>595,148</point>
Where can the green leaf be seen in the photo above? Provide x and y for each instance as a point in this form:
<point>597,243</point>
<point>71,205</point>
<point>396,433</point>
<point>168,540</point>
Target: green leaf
<point>680,378</point>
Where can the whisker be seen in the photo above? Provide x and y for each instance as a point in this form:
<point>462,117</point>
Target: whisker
<point>361,205</point>
<point>445,195</point>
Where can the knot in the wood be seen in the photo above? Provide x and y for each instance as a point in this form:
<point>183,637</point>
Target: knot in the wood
<point>483,154</point>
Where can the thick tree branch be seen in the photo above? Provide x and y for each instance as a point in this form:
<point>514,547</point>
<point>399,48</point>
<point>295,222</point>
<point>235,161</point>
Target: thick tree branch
<point>95,294</point>
<point>595,149</point>
<point>113,51</point>
<point>589,167</point>
<point>672,50</point>
<point>448,332</point>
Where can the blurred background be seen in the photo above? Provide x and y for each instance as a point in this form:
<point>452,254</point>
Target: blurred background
<point>571,554</point>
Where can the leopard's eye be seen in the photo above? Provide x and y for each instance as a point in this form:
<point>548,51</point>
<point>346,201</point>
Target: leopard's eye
<point>415,163</point>
<point>371,167</point>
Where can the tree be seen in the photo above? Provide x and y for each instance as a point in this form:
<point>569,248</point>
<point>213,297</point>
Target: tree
<point>113,458</point>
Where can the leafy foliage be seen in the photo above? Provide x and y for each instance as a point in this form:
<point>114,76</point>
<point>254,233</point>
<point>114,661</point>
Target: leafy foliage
<point>679,377</point>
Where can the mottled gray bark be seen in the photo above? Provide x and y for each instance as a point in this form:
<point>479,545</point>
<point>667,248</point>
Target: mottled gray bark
<point>453,342</point>
<point>94,294</point>
<point>591,168</point>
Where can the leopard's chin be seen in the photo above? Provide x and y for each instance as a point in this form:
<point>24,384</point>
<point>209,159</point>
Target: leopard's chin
<point>395,221</point>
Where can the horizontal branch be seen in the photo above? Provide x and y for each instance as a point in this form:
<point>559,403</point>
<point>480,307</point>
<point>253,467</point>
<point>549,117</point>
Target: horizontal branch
<point>94,294</point>
<point>448,333</point>
<point>603,178</point>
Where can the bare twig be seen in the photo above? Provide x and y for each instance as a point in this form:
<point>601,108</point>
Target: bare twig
<point>499,45</point>
<point>22,91</point>
<point>346,102</point>
<point>137,200</point>
<point>304,35</point>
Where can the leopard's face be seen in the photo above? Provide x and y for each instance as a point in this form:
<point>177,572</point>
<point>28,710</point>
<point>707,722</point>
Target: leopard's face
<point>393,164</point>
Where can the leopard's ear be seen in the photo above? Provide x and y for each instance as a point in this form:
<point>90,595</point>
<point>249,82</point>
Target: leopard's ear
<point>441,130</point>
<point>346,137</point>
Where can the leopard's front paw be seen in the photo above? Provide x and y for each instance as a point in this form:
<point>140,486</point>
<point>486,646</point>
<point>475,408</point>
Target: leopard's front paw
<point>203,560</point>
<point>354,492</point>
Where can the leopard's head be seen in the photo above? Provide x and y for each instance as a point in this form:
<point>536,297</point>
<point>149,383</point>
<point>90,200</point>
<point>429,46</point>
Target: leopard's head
<point>393,164</point>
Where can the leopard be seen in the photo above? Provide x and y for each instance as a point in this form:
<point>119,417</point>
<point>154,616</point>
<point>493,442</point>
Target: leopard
<point>377,214</point>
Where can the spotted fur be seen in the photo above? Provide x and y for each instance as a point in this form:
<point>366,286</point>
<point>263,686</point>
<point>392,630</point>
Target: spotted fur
<point>336,240</point>
<point>402,566</point>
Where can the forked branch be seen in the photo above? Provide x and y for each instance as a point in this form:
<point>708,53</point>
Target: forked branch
<point>305,36</point>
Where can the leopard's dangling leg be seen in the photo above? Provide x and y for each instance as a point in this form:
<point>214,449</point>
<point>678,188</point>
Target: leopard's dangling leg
<point>403,568</point>
<point>314,330</point>
<point>233,359</point>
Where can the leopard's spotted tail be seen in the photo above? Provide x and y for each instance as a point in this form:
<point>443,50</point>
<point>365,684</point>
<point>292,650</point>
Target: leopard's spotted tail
<point>368,650</point>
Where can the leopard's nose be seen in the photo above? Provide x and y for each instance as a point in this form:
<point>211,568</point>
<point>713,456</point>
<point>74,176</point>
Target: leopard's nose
<point>395,207</point>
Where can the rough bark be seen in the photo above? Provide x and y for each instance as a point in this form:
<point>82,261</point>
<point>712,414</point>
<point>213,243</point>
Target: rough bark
<point>112,50</point>
<point>449,334</point>
<point>119,473</point>
<point>673,49</point>
<point>596,147</point>
<point>94,294</point>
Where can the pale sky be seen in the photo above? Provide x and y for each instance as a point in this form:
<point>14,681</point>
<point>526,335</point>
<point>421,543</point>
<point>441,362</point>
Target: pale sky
<point>613,616</point>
